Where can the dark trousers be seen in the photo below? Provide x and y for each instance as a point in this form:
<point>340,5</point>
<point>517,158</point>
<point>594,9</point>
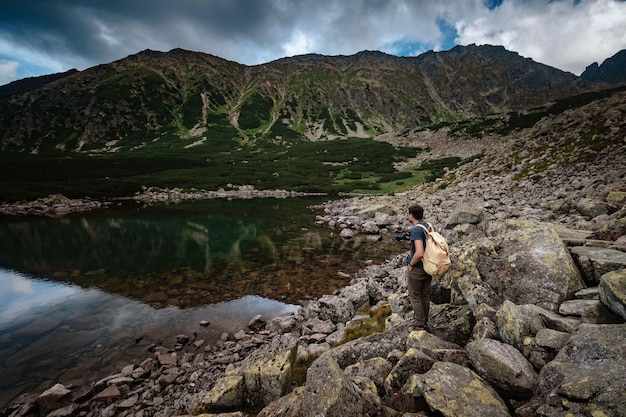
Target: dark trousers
<point>418,283</point>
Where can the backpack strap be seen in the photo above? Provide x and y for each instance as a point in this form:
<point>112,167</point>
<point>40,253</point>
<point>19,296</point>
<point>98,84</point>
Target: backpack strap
<point>427,230</point>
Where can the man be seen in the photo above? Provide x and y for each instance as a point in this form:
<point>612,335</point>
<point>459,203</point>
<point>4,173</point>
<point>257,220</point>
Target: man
<point>418,281</point>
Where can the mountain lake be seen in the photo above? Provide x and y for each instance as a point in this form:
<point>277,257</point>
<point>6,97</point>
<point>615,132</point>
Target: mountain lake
<point>83,295</point>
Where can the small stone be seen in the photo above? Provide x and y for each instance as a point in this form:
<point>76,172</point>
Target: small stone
<point>128,370</point>
<point>109,393</point>
<point>257,323</point>
<point>53,398</point>
<point>129,402</point>
<point>168,360</point>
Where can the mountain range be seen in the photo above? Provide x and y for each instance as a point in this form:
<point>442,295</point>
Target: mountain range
<point>190,104</point>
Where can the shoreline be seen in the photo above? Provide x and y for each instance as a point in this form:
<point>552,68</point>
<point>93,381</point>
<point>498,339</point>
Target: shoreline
<point>57,205</point>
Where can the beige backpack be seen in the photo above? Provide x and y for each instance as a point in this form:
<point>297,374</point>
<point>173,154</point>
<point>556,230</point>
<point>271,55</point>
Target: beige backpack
<point>436,257</point>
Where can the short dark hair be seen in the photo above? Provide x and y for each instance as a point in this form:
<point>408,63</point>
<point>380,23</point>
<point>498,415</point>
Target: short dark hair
<point>417,211</point>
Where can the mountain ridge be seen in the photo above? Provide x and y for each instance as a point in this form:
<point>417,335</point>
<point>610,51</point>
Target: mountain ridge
<point>368,122</point>
<point>310,96</point>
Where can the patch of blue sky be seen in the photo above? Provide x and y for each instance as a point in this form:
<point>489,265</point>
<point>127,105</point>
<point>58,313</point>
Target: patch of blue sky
<point>492,4</point>
<point>13,69</point>
<point>26,70</point>
<point>446,41</point>
<point>449,34</point>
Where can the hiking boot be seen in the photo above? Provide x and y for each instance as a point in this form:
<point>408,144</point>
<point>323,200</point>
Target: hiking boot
<point>414,327</point>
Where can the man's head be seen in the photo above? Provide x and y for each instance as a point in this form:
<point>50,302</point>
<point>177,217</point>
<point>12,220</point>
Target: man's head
<point>416,211</point>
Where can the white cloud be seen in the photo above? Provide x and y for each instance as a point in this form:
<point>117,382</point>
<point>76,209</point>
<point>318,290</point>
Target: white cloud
<point>566,34</point>
<point>561,34</point>
<point>299,44</point>
<point>8,71</point>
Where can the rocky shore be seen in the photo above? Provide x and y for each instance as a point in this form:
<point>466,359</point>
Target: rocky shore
<point>530,320</point>
<point>57,205</point>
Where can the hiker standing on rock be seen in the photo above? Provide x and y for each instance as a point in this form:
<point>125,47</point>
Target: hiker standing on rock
<point>418,281</point>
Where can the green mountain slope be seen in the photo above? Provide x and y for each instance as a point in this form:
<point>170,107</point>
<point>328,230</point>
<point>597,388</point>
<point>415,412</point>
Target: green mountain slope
<point>308,123</point>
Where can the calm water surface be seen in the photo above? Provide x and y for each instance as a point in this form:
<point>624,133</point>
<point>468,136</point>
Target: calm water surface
<point>83,295</point>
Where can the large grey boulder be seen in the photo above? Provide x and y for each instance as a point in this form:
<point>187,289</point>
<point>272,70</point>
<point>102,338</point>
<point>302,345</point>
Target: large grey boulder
<point>328,392</point>
<point>414,361</point>
<point>596,262</point>
<point>468,285</point>
<point>452,322</point>
<point>587,376</point>
<point>263,377</point>
<point>375,369</point>
<point>372,346</point>
<point>357,293</point>
<point>612,290</point>
<point>613,230</point>
<point>456,391</point>
<point>593,208</point>
<point>373,210</point>
<point>56,397</point>
<point>465,213</point>
<point>504,367</point>
<point>532,266</point>
<point>516,323</point>
<point>338,309</point>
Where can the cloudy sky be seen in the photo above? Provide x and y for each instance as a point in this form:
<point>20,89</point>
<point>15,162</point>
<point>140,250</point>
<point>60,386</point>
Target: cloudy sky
<point>40,37</point>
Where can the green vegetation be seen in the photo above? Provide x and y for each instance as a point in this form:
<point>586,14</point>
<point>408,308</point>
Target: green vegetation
<point>218,161</point>
<point>374,324</point>
<point>298,375</point>
<point>514,121</point>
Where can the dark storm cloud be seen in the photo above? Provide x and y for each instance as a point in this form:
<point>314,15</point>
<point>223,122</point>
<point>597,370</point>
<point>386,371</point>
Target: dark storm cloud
<point>45,36</point>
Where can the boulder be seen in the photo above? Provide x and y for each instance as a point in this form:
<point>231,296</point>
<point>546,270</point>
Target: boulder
<point>328,392</point>
<point>552,339</point>
<point>412,362</point>
<point>592,208</point>
<point>468,284</point>
<point>257,323</point>
<point>513,324</point>
<point>346,233</point>
<point>316,325</point>
<point>58,396</point>
<point>532,266</point>
<point>595,262</point>
<point>263,377</point>
<point>373,210</point>
<point>429,343</point>
<point>456,391</point>
<point>370,227</point>
<point>226,394</point>
<point>357,293</point>
<point>504,367</point>
<point>616,198</point>
<point>332,307</point>
<point>452,322</point>
<point>612,291</point>
<point>464,213</point>
<point>375,369</point>
<point>613,230</point>
<point>587,375</point>
<point>484,328</point>
<point>285,323</point>
<point>577,307</point>
<point>372,346</point>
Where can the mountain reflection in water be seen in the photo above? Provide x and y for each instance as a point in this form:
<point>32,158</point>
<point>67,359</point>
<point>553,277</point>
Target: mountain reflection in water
<point>82,295</point>
<point>190,254</point>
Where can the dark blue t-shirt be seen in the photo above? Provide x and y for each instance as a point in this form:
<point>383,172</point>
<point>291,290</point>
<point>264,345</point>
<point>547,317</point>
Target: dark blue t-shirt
<point>417,233</point>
